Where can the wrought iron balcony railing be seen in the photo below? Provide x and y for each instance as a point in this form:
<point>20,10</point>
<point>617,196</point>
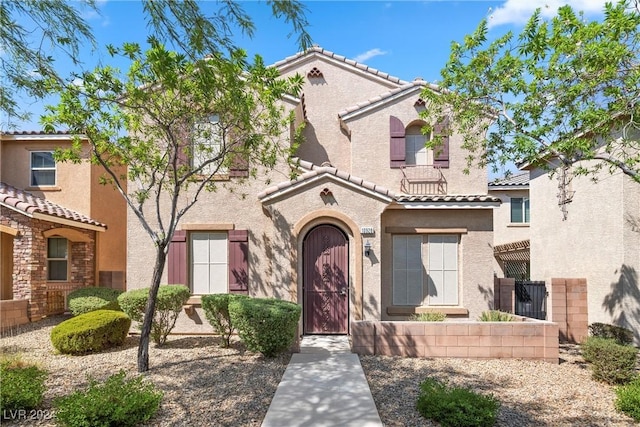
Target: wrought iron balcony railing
<point>422,179</point>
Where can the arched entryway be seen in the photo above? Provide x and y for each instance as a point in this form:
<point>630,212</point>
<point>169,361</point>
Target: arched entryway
<point>325,281</point>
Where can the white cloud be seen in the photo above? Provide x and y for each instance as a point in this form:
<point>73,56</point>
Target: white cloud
<point>518,12</point>
<point>369,54</point>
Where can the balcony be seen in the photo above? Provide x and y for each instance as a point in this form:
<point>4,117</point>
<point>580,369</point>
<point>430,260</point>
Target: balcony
<point>422,180</point>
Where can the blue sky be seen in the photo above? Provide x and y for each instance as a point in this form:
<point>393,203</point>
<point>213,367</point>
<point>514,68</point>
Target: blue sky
<point>406,39</point>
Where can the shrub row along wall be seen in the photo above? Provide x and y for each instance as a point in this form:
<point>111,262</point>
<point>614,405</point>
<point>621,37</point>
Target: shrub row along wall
<point>531,339</point>
<point>13,313</point>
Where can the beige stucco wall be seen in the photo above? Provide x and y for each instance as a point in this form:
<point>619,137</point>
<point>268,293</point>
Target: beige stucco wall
<point>503,230</point>
<point>596,241</point>
<point>475,257</point>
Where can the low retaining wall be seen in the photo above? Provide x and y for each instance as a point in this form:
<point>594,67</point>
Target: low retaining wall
<point>13,312</point>
<point>526,339</point>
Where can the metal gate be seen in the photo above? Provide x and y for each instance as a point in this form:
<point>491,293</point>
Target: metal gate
<point>531,299</point>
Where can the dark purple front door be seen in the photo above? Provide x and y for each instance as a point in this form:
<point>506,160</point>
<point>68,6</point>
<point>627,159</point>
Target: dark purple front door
<point>326,284</point>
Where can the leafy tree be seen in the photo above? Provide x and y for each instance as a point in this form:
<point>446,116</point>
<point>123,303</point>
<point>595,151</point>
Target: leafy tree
<point>31,34</point>
<point>566,89</point>
<point>160,119</point>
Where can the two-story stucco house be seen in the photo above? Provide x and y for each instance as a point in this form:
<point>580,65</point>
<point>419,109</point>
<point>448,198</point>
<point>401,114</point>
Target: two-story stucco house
<point>374,226</point>
<point>585,228</point>
<point>59,228</point>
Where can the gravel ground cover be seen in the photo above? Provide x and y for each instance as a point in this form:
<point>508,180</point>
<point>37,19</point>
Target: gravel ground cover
<point>205,385</point>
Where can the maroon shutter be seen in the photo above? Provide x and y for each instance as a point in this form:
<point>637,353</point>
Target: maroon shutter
<point>397,142</point>
<point>177,258</point>
<point>239,261</point>
<point>183,140</point>
<point>441,153</point>
<point>239,166</point>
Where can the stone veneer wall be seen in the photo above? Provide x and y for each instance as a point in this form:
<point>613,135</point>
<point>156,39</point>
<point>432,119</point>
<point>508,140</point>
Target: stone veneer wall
<point>30,260</point>
<point>525,339</point>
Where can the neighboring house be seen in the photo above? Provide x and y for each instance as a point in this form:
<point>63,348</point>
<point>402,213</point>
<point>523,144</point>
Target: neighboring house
<point>511,226</point>
<point>583,228</point>
<point>59,228</point>
<point>375,226</point>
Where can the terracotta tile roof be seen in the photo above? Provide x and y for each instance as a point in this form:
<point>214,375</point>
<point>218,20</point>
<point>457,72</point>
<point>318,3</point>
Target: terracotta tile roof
<point>36,132</point>
<point>414,86</point>
<point>448,198</point>
<point>310,171</point>
<point>317,50</point>
<point>29,204</point>
<point>516,179</point>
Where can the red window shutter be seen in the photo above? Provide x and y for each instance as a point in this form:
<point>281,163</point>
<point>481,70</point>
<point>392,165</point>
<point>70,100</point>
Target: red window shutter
<point>239,166</point>
<point>239,261</point>
<point>177,258</point>
<point>441,153</point>
<point>397,142</point>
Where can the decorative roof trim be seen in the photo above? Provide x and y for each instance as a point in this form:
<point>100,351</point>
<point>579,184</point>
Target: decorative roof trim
<point>35,207</point>
<point>376,102</point>
<point>447,201</point>
<point>291,61</point>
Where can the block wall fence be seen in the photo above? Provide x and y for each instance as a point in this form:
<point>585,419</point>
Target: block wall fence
<point>522,339</point>
<point>13,313</point>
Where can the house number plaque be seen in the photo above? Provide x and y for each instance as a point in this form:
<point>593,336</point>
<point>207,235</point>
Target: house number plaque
<point>367,230</point>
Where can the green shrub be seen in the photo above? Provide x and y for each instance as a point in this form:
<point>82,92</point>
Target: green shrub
<point>621,335</point>
<point>22,385</point>
<point>611,362</point>
<point>169,304</point>
<point>91,332</point>
<point>496,316</point>
<point>456,407</point>
<point>432,316</point>
<point>628,399</point>
<point>84,300</point>
<point>265,325</point>
<point>116,402</point>
<point>216,310</point>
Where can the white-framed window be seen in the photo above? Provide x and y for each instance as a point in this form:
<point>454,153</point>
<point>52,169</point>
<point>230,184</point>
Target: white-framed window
<point>425,270</point>
<point>207,144</point>
<point>520,210</point>
<point>42,169</point>
<point>209,262</point>
<point>416,152</point>
<point>443,269</point>
<point>57,259</point>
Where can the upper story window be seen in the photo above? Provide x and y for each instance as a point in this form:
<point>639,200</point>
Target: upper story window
<point>43,169</point>
<point>207,145</point>
<point>416,152</point>
<point>57,258</point>
<point>520,210</point>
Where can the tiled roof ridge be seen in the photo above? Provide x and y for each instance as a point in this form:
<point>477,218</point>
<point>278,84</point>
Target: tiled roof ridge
<point>311,170</point>
<point>26,202</point>
<point>36,132</point>
<point>390,93</point>
<point>518,178</point>
<point>447,198</point>
<point>319,50</point>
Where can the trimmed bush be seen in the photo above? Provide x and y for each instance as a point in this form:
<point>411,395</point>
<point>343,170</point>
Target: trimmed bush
<point>611,362</point>
<point>84,300</point>
<point>265,325</point>
<point>496,316</point>
<point>216,310</point>
<point>116,402</point>
<point>628,399</point>
<point>433,316</point>
<point>621,335</point>
<point>22,385</point>
<point>169,304</point>
<point>456,407</point>
<point>91,332</point>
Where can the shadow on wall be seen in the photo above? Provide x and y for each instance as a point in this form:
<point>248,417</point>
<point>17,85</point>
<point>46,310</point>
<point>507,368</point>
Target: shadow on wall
<point>280,246</point>
<point>623,301</point>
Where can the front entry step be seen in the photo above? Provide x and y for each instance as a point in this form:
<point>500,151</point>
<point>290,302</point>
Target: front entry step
<point>325,343</point>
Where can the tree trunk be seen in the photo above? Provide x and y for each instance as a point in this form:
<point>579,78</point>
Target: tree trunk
<point>143,346</point>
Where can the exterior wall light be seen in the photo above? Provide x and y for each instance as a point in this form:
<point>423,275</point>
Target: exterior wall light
<point>367,248</point>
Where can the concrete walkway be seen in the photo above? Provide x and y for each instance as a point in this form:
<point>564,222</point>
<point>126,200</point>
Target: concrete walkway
<point>323,385</point>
